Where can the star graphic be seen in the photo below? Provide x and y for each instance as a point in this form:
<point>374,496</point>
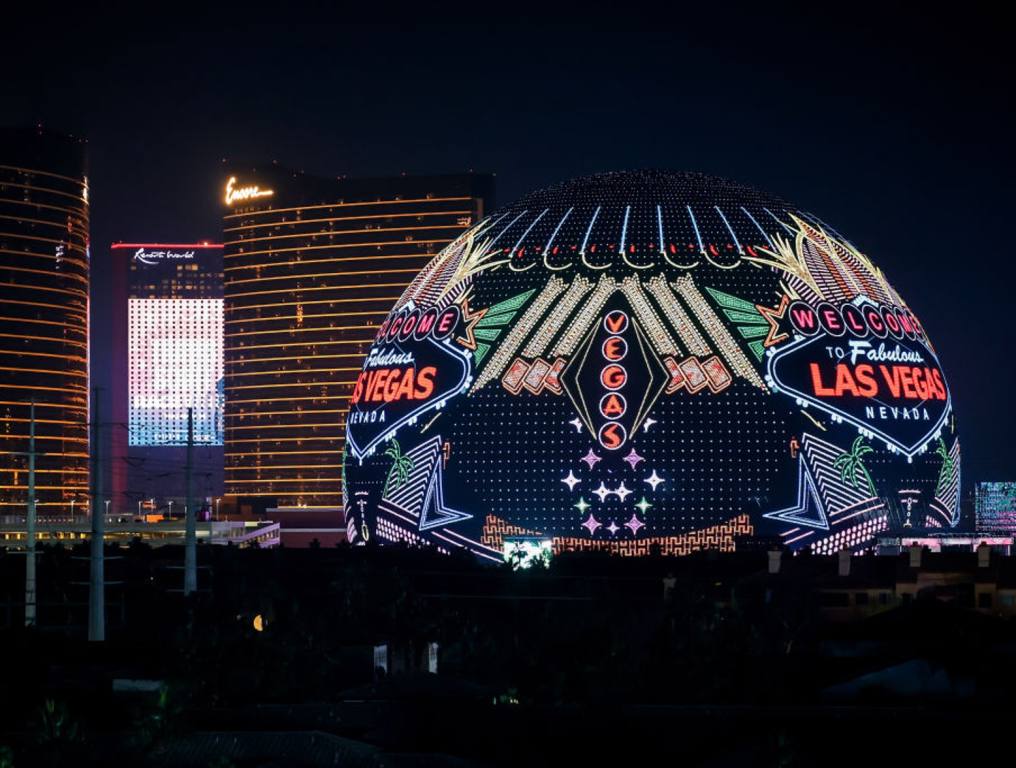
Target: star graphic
<point>654,480</point>
<point>602,492</point>
<point>577,423</point>
<point>634,524</point>
<point>773,316</point>
<point>633,458</point>
<point>648,423</point>
<point>591,458</point>
<point>470,319</point>
<point>582,505</point>
<point>613,528</point>
<point>571,481</point>
<point>592,524</point>
<point>622,492</point>
<point>643,505</point>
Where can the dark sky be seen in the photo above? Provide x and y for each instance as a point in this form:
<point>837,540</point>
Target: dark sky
<point>896,127</point>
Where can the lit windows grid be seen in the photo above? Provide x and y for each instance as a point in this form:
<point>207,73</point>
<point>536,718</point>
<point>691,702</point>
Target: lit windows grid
<point>43,336</point>
<point>175,363</point>
<point>303,302</point>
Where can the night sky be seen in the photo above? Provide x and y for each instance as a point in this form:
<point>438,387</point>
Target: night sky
<point>897,129</point>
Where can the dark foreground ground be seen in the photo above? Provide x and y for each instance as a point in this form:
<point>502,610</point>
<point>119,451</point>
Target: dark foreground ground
<point>584,663</point>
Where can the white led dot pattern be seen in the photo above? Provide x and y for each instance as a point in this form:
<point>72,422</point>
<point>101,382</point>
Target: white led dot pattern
<point>175,354</point>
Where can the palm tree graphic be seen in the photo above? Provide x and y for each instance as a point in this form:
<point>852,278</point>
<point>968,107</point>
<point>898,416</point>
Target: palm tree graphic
<point>948,466</point>
<point>402,465</point>
<point>852,462</point>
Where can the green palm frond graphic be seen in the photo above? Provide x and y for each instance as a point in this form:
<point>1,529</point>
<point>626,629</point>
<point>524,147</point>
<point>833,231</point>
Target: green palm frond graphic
<point>852,462</point>
<point>402,465</point>
<point>945,474</point>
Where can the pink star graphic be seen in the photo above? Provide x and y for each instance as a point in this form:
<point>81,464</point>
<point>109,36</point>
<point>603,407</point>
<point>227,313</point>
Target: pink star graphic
<point>592,524</point>
<point>634,524</point>
<point>633,458</point>
<point>591,458</point>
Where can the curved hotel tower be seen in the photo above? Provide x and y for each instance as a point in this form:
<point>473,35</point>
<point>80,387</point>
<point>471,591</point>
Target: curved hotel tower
<point>43,319</point>
<point>311,268</point>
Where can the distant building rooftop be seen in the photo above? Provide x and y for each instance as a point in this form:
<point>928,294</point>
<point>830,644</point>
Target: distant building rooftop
<point>122,530</point>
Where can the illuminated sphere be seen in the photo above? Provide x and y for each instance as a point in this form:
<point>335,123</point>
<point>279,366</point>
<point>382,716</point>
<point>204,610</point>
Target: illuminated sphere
<point>644,362</point>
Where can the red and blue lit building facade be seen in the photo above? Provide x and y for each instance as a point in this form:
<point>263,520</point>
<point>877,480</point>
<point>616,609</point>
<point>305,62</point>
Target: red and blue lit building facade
<point>168,339</point>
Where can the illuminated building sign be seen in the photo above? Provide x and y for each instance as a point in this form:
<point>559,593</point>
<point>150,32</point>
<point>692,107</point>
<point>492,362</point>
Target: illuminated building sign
<point>650,362</point>
<point>153,256</point>
<point>236,194</point>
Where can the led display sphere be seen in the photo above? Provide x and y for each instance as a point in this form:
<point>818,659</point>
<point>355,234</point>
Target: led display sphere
<point>646,362</point>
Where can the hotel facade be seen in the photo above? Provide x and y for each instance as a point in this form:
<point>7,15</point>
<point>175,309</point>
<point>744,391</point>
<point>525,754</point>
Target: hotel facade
<point>167,336</point>
<point>311,268</point>
<point>44,273</point>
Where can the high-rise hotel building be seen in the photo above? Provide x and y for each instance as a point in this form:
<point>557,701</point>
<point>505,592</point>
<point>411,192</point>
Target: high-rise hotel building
<point>312,267</point>
<point>167,338</point>
<point>43,319</point>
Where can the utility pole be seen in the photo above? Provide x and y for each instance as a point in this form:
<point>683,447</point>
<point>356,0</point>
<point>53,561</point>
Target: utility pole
<point>190,566</point>
<point>97,579</point>
<point>30,596</point>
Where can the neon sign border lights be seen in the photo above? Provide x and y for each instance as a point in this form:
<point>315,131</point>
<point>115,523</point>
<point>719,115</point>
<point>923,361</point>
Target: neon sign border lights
<point>777,385</point>
<point>434,403</point>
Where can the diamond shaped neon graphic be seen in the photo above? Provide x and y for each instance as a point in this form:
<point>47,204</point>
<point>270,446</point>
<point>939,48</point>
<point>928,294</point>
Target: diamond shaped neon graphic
<point>645,380</point>
<point>570,480</point>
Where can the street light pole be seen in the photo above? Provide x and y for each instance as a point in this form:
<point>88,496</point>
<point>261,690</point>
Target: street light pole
<point>97,580</point>
<point>30,592</point>
<point>190,570</point>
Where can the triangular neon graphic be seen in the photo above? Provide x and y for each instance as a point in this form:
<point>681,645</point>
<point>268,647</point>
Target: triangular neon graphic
<point>480,352</point>
<point>433,513</point>
<point>809,510</point>
<point>512,305</point>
